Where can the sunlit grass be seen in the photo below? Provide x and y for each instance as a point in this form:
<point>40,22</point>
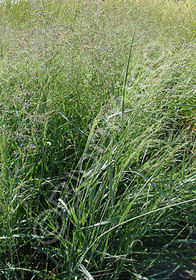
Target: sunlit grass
<point>97,139</point>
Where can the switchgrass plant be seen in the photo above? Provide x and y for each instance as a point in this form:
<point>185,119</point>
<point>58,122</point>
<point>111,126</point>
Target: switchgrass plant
<point>85,193</point>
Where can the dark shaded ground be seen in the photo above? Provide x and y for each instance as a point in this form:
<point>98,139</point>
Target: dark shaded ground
<point>178,262</point>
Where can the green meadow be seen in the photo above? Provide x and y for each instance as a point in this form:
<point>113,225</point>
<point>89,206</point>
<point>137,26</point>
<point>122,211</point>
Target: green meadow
<point>97,139</point>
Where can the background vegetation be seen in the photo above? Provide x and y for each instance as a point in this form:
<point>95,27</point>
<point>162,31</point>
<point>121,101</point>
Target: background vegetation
<point>97,139</point>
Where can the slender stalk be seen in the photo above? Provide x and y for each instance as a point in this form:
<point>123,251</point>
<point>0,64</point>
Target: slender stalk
<point>125,78</point>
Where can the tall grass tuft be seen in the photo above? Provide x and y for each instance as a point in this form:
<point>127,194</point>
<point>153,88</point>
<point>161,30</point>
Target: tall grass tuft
<point>81,195</point>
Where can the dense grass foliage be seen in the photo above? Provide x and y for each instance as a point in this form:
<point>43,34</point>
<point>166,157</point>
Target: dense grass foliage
<point>97,139</point>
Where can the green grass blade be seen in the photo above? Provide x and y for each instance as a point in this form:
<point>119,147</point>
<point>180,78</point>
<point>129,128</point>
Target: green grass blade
<point>85,271</point>
<point>125,77</point>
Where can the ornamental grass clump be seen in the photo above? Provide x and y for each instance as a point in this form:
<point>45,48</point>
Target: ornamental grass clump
<point>97,140</point>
